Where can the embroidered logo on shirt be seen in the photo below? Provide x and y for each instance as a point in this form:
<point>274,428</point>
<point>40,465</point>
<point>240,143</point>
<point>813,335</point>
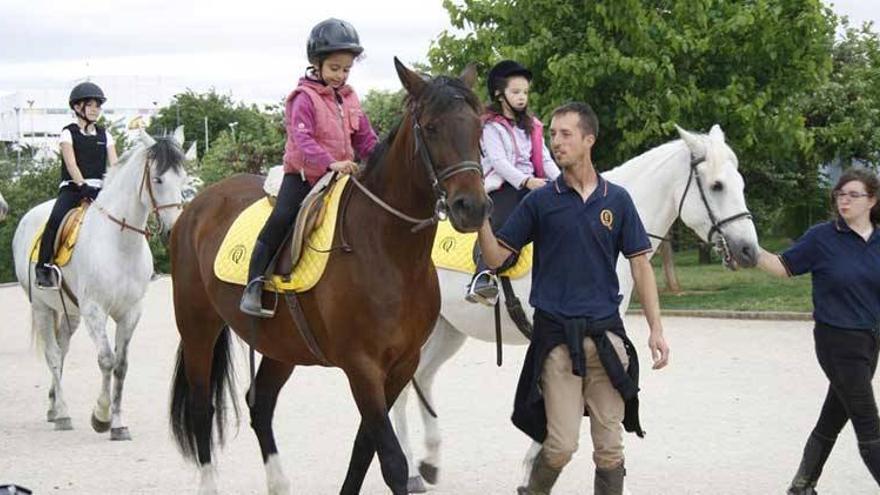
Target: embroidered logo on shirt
<point>607,218</point>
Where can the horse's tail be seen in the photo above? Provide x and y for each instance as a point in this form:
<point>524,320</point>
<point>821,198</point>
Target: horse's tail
<point>182,408</point>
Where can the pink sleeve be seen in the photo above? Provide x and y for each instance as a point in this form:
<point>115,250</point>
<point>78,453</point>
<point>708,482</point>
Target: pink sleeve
<point>301,126</point>
<point>364,139</point>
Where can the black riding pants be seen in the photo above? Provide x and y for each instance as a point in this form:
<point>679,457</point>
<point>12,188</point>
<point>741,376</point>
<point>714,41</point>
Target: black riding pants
<point>293,191</point>
<point>69,198</point>
<point>849,360</point>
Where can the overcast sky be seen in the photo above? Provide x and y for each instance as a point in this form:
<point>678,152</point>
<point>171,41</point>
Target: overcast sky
<point>253,49</point>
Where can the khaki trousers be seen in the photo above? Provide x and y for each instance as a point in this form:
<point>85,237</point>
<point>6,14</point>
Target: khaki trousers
<point>566,395</point>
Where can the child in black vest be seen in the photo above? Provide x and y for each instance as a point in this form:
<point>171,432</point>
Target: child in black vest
<point>86,150</point>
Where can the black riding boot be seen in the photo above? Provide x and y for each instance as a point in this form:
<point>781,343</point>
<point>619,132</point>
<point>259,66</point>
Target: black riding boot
<point>609,481</point>
<point>541,479</point>
<point>871,455</point>
<point>46,276</point>
<point>484,285</point>
<point>252,299</point>
<point>815,454</point>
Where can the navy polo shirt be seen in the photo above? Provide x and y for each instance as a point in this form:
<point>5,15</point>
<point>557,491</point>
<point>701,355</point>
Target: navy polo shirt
<point>576,246</point>
<point>846,274</point>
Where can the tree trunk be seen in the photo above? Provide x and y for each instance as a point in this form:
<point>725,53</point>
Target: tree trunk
<point>705,254</point>
<point>672,284</point>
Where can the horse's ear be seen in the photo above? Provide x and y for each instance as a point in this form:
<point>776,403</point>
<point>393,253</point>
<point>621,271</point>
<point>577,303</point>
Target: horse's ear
<point>693,141</point>
<point>412,81</point>
<point>469,75</point>
<point>146,138</point>
<point>178,135</point>
<point>716,132</point>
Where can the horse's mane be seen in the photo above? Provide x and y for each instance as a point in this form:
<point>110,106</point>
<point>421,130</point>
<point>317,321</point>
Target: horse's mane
<point>656,158</point>
<point>165,153</point>
<point>441,94</point>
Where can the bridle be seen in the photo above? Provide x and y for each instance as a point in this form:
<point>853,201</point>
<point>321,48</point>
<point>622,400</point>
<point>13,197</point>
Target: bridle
<point>146,181</point>
<point>437,180</point>
<point>721,242</point>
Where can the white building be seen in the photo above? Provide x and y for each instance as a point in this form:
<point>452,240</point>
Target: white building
<point>36,116</point>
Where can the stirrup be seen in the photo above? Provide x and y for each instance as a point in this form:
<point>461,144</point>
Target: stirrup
<point>486,294</point>
<point>264,312</point>
<point>58,276</point>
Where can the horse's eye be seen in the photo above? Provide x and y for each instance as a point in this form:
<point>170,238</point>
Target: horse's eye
<point>430,128</point>
<point>157,180</point>
<point>717,187</point>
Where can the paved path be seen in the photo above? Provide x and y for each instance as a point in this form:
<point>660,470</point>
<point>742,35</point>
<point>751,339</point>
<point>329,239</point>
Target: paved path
<point>729,416</point>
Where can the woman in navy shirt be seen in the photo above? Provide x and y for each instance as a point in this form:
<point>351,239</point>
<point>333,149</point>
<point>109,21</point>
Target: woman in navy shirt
<point>843,256</point>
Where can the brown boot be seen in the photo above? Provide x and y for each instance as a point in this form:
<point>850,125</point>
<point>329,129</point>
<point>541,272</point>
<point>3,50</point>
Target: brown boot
<point>609,481</point>
<point>541,479</point>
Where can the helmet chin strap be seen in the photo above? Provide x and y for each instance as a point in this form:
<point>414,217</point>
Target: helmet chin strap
<point>82,115</point>
<point>517,113</point>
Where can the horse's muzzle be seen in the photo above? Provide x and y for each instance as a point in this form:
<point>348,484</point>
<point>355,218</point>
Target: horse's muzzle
<point>467,213</point>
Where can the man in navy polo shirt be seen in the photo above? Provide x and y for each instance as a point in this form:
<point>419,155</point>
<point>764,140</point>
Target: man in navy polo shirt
<point>580,359</point>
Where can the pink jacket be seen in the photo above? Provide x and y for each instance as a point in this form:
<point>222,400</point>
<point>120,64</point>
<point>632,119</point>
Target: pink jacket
<point>320,130</point>
<point>537,138</point>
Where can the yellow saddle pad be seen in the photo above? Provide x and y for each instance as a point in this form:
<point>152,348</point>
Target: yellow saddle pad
<point>455,251</point>
<point>234,256</point>
<point>68,234</point>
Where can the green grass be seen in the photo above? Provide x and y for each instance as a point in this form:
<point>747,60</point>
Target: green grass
<point>715,287</point>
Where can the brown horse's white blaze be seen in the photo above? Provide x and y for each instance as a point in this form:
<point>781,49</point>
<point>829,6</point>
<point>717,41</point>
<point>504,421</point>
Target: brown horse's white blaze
<point>370,313</point>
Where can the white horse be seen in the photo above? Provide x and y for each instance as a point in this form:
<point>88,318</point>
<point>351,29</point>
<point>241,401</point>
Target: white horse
<point>694,178</point>
<point>108,273</point>
<point>4,208</point>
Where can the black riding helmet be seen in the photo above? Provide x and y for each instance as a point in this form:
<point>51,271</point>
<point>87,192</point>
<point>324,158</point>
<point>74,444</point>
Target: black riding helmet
<point>500,72</point>
<point>332,35</point>
<point>86,91</point>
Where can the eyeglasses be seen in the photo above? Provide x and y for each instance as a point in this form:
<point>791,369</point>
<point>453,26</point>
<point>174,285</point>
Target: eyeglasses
<point>849,194</point>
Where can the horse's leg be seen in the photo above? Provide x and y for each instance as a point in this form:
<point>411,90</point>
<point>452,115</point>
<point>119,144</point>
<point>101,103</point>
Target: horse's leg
<point>124,330</point>
<point>415,483</point>
<point>270,378</point>
<point>96,323</point>
<point>444,342</point>
<point>67,326</point>
<point>529,461</point>
<point>374,392</point>
<point>44,321</point>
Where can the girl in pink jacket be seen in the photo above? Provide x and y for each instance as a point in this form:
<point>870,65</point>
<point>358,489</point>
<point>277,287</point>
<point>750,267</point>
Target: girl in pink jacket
<point>515,158</point>
<point>326,130</point>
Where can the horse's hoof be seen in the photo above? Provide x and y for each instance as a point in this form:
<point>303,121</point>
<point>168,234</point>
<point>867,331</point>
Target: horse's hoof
<point>416,485</point>
<point>50,416</point>
<point>63,424</point>
<point>120,433</point>
<point>98,425</point>
<point>521,490</point>
<point>428,472</point>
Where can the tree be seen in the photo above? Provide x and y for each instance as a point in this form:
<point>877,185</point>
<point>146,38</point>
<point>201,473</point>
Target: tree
<point>258,144</point>
<point>645,66</point>
<point>842,117</point>
<point>384,108</point>
<point>190,109</point>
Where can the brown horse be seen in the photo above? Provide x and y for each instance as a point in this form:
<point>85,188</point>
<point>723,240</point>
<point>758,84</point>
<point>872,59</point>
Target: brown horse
<point>372,310</point>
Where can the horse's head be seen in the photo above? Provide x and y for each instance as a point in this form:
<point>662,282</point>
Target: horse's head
<point>713,201</point>
<point>164,178</point>
<point>445,116</point>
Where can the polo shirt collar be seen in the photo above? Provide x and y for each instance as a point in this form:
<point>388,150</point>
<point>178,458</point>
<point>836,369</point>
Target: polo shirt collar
<point>601,187</point>
<point>842,227</point>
